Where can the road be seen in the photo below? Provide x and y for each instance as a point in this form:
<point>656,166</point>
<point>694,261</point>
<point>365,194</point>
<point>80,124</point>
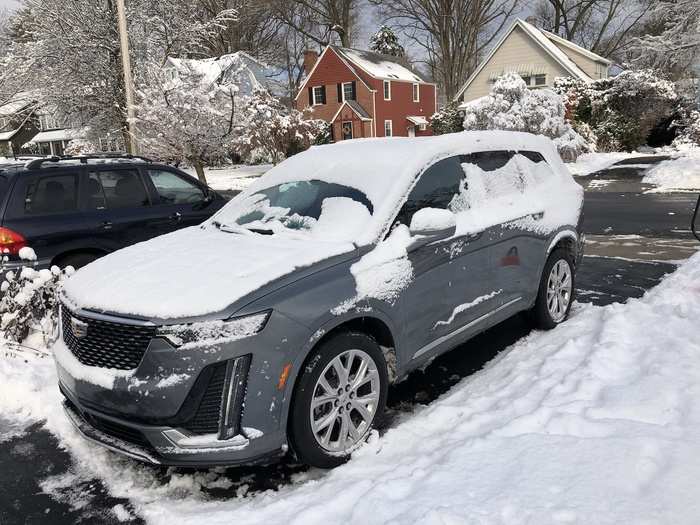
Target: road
<point>635,238</point>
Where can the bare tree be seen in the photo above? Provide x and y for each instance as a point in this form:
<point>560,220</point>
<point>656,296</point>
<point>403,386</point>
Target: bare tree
<point>603,26</point>
<point>320,21</point>
<point>452,33</point>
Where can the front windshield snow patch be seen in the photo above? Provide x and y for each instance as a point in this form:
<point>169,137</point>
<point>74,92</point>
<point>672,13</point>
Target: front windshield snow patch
<point>304,209</point>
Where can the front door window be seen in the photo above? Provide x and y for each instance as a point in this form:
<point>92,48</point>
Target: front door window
<point>347,130</point>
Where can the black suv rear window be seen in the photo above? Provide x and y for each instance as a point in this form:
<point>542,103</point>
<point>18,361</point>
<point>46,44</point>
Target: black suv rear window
<point>52,194</point>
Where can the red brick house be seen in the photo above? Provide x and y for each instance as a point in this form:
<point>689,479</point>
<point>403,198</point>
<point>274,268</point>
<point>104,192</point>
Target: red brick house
<point>365,94</point>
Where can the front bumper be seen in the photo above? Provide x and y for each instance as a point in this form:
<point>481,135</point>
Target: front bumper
<point>151,413</point>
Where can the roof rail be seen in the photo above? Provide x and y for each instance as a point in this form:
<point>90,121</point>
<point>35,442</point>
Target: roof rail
<point>36,163</point>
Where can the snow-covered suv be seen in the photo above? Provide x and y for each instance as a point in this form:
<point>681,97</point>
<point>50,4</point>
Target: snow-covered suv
<point>282,320</point>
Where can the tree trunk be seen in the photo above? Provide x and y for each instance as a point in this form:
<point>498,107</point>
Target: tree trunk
<point>199,168</point>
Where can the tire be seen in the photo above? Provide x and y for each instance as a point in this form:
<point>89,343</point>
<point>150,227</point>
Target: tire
<point>541,315</point>
<point>76,260</point>
<point>307,444</point>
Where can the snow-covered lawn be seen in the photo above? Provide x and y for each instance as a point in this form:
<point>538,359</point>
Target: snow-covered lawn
<point>680,173</point>
<point>596,421</point>
<point>236,177</point>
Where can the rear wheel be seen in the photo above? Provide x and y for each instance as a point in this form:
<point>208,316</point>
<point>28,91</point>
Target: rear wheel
<point>338,399</point>
<point>556,291</point>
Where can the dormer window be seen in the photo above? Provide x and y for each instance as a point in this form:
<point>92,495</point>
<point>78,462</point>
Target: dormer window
<point>387,90</point>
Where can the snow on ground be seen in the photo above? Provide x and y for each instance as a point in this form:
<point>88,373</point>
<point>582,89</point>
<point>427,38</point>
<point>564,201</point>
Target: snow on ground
<point>232,178</point>
<point>592,162</point>
<point>596,421</point>
<point>679,173</point>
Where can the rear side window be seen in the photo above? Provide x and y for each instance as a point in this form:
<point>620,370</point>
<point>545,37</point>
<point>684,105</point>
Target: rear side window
<point>173,189</point>
<point>436,188</point>
<point>52,194</point>
<point>534,156</point>
<point>116,189</point>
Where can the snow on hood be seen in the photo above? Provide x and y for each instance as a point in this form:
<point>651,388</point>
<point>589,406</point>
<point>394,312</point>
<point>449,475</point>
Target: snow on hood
<point>384,169</point>
<point>191,272</point>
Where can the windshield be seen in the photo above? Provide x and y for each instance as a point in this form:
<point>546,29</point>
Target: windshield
<point>313,206</point>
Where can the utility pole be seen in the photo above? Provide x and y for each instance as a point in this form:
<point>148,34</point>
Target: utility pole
<point>132,146</point>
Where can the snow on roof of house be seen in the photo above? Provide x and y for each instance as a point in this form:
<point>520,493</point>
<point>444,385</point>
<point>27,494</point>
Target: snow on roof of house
<point>385,67</point>
<point>17,103</point>
<point>549,43</point>
<point>245,69</point>
<point>56,135</point>
<point>7,135</point>
<point>384,168</point>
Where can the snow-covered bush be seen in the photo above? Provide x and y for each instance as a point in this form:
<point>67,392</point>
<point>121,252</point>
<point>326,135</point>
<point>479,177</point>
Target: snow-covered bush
<point>447,119</point>
<point>187,119</point>
<point>689,130</point>
<point>512,106</point>
<point>29,303</point>
<point>386,42</point>
<point>620,111</point>
<point>272,131</point>
<point>81,147</point>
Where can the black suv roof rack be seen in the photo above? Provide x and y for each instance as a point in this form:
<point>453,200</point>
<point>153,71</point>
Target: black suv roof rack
<point>36,163</point>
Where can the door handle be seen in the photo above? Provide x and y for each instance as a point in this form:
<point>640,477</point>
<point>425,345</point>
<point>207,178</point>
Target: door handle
<point>176,217</point>
<point>107,225</point>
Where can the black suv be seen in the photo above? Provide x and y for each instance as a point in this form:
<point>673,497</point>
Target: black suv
<point>72,210</point>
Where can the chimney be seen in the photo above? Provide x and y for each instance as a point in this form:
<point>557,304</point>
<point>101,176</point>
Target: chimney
<point>310,58</point>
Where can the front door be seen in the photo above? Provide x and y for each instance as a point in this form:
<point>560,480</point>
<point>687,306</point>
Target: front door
<point>452,280</point>
<point>346,130</point>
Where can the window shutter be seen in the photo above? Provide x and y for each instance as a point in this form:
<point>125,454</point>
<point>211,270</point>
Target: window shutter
<point>311,96</point>
<point>354,92</point>
<point>340,92</point>
<point>323,96</point>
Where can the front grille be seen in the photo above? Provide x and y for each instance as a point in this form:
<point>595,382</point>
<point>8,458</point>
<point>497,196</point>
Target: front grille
<point>107,344</point>
<point>206,419</point>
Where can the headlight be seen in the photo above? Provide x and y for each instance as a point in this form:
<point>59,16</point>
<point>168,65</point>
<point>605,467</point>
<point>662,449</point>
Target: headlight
<point>213,332</point>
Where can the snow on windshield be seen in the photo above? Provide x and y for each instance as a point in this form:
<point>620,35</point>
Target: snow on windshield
<point>316,208</point>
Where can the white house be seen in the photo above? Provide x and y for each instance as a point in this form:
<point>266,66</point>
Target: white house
<point>537,56</point>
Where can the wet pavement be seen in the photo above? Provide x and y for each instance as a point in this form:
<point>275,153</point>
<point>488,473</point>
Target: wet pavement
<point>636,239</point>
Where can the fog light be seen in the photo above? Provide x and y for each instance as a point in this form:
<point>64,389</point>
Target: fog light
<point>233,396</point>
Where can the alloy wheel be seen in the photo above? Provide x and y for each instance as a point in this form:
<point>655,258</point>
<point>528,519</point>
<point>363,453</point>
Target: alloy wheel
<point>559,287</point>
<point>345,400</point>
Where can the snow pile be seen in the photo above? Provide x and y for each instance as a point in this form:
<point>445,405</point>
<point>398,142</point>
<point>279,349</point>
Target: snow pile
<point>593,422</point>
<point>680,173</point>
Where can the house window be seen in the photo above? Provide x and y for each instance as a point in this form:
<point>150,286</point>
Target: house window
<point>388,128</point>
<point>387,90</point>
<point>540,80</point>
<point>348,91</point>
<point>416,92</point>
<point>422,127</point>
<point>527,80</point>
<point>47,122</point>
<point>319,95</point>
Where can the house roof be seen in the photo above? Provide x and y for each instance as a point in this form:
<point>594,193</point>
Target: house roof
<point>7,135</point>
<point>56,135</point>
<point>17,103</point>
<point>248,72</point>
<point>384,67</point>
<point>549,43</point>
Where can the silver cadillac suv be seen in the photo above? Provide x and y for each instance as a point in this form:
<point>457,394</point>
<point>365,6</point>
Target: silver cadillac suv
<point>280,322</point>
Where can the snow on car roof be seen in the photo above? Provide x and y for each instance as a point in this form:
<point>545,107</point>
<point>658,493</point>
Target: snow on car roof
<point>385,168</point>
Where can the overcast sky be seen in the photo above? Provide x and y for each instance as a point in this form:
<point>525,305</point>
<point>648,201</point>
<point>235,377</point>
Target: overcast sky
<point>8,4</point>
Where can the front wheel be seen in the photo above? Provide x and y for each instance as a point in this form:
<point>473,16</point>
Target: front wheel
<point>339,397</point>
<point>556,291</point>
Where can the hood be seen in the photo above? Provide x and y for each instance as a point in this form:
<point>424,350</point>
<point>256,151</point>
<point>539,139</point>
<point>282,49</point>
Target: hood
<point>191,272</point>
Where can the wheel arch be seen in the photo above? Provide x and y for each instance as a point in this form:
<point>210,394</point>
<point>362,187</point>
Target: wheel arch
<point>76,251</point>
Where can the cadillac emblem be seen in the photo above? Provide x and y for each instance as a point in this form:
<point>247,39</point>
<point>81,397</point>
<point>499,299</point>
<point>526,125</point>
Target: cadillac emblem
<point>78,327</point>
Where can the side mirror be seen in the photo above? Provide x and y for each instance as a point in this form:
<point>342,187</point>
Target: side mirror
<point>432,224</point>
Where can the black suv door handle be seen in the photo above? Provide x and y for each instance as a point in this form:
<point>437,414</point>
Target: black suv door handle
<point>106,225</point>
<point>176,217</point>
